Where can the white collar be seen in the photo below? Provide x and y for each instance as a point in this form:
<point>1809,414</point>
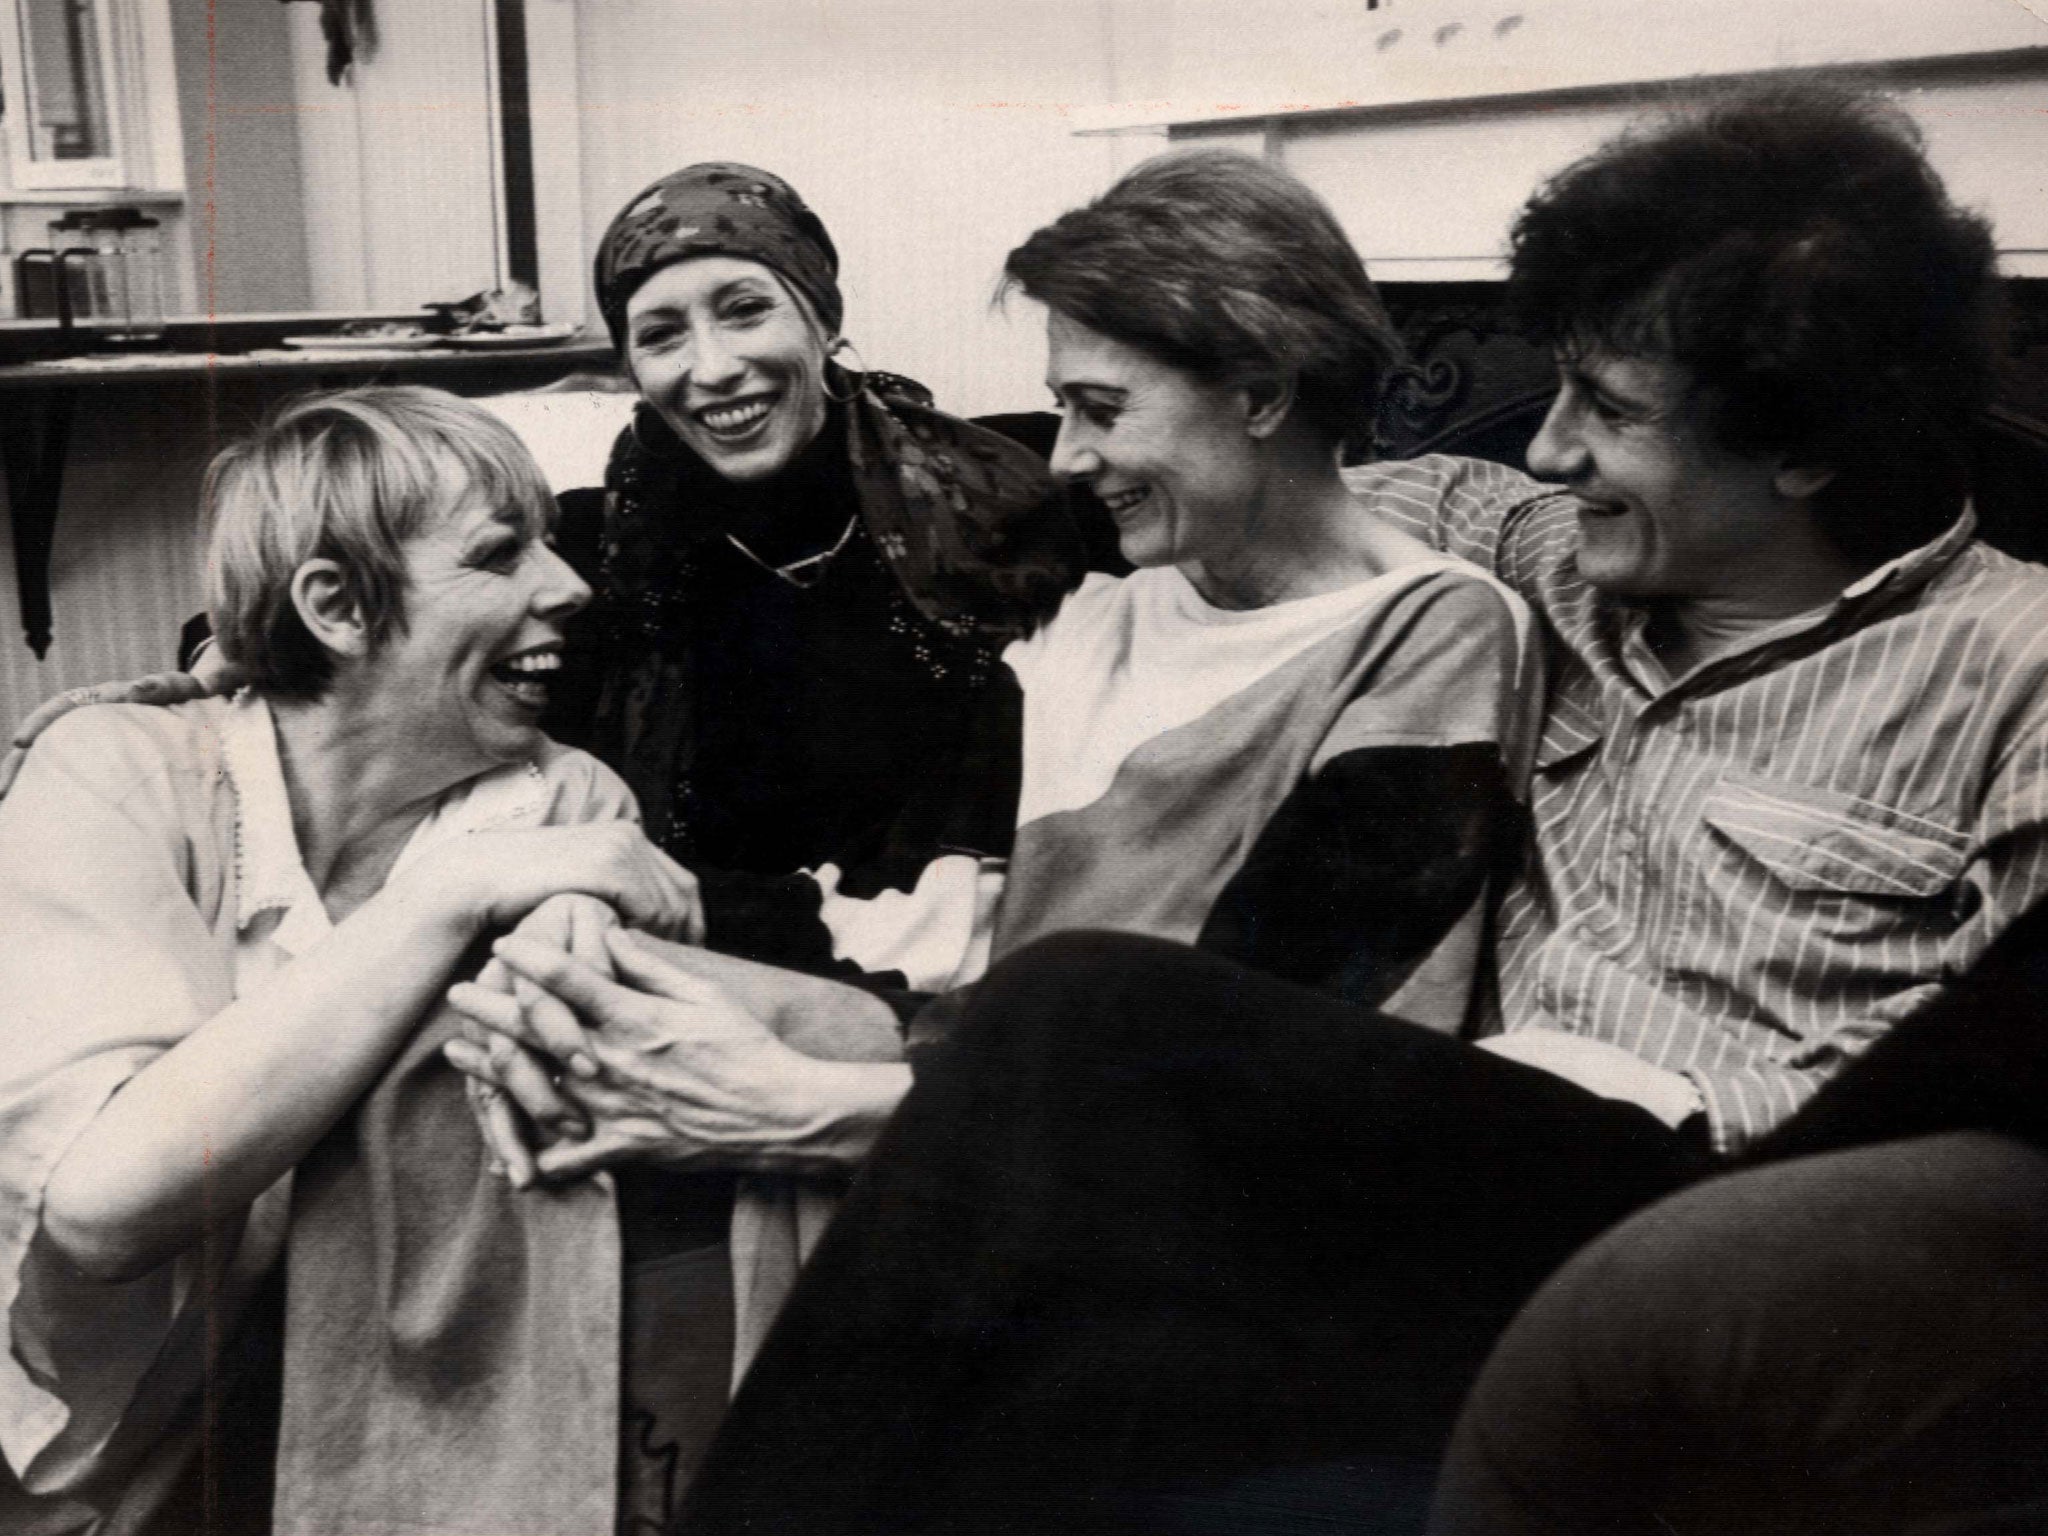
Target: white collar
<point>270,873</point>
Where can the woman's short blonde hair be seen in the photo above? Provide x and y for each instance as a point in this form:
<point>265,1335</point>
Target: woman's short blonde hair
<point>347,476</point>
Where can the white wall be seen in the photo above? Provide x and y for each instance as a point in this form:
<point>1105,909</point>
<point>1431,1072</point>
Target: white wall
<point>241,147</point>
<point>1426,123</point>
<point>1432,194</point>
<point>125,572</point>
<point>396,160</point>
<point>1223,58</point>
<point>931,136</point>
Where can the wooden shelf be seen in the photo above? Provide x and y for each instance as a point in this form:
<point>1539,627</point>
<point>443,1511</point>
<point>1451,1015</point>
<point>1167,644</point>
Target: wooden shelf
<point>43,397</point>
<point>134,367</point>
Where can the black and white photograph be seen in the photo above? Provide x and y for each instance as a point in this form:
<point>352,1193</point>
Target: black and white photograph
<point>1024,767</point>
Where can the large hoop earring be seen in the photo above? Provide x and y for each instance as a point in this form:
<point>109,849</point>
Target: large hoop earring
<point>860,377</point>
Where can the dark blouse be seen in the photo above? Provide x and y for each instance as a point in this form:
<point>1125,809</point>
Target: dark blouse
<point>817,706</point>
<point>768,726</point>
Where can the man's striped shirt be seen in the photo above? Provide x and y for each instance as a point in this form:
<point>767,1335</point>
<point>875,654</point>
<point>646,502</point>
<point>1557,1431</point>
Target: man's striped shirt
<point>1749,873</point>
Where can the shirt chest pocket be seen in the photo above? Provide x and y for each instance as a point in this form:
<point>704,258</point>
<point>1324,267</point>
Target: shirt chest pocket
<point>1817,842</point>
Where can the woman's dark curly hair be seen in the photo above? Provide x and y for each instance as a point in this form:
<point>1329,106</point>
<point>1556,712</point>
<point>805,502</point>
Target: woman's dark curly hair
<point>1222,265</point>
<point>1790,246</point>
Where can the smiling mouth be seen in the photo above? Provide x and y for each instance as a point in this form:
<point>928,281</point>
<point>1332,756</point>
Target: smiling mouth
<point>737,419</point>
<point>1123,501</point>
<point>525,675</point>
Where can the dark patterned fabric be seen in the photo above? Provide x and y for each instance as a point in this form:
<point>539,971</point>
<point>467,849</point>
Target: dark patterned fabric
<point>749,746</point>
<point>676,1326</point>
<point>972,524</point>
<point>717,209</point>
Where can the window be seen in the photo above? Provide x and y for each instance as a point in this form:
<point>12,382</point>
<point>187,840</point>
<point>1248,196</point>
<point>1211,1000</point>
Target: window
<point>90,98</point>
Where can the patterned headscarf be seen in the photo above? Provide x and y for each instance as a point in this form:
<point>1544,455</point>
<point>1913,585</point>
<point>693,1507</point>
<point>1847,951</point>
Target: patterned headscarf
<point>717,209</point>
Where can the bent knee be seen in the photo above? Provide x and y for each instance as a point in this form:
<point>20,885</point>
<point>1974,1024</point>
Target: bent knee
<point>1762,1296</point>
<point>1087,992</point>
<point>1089,959</point>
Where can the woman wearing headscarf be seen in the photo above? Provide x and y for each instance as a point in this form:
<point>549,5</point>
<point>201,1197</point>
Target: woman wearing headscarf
<point>804,577</point>
<point>806,571</point>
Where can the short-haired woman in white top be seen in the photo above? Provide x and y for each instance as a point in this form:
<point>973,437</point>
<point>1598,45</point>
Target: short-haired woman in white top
<point>223,919</point>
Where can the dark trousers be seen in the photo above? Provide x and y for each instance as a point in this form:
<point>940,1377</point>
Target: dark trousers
<point>1151,1229</point>
<point>1848,1337</point>
<point>1848,1344</point>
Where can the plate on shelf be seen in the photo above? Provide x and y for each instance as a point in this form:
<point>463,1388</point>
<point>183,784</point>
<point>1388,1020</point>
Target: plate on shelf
<point>416,342</point>
<point>514,336</point>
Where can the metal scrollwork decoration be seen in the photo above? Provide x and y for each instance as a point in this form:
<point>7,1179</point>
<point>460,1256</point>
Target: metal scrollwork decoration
<point>1418,398</point>
<point>1422,396</point>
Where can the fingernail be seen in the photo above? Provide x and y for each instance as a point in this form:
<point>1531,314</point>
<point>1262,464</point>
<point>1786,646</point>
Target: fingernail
<point>582,1066</point>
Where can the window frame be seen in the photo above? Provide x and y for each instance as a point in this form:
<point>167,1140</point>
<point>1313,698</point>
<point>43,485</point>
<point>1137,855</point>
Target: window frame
<point>143,127</point>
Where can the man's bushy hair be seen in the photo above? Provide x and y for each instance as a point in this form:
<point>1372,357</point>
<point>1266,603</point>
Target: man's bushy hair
<point>1790,246</point>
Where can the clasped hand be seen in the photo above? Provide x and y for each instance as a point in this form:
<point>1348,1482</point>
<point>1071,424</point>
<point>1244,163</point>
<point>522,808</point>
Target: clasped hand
<point>490,880</point>
<point>614,1048</point>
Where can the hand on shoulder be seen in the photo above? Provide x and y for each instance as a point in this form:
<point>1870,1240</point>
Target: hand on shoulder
<point>210,676</point>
